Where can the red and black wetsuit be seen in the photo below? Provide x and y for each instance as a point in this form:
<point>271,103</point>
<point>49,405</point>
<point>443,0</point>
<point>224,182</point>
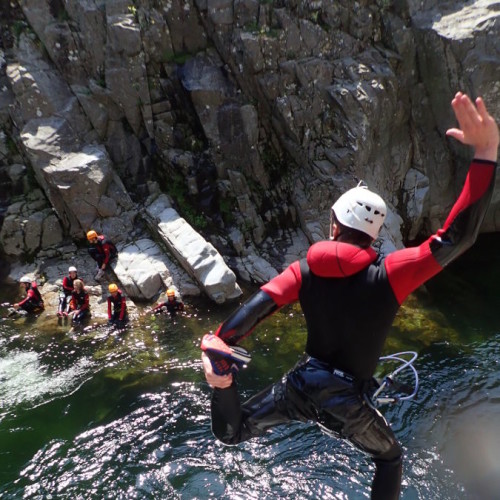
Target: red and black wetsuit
<point>103,250</point>
<point>33,301</point>
<point>80,301</point>
<point>349,297</point>
<point>67,284</point>
<point>117,307</point>
<point>67,290</point>
<point>172,306</point>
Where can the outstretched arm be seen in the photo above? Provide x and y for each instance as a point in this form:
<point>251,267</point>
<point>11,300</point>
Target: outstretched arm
<point>409,268</point>
<point>281,290</point>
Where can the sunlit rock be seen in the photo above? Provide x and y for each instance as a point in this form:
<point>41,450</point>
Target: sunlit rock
<point>145,271</point>
<point>198,257</point>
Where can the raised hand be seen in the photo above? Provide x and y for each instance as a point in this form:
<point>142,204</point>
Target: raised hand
<point>477,127</point>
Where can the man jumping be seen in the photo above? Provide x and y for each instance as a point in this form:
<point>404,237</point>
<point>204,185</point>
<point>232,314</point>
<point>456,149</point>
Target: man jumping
<point>349,295</point>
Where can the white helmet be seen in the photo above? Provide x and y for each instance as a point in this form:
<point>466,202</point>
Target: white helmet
<point>72,269</point>
<point>361,209</point>
<point>25,279</point>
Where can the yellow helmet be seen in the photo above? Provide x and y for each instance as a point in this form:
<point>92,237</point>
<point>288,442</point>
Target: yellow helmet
<point>170,292</point>
<point>91,235</point>
<point>112,288</point>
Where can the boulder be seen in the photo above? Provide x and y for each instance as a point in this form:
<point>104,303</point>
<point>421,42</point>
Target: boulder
<point>144,271</point>
<point>198,257</point>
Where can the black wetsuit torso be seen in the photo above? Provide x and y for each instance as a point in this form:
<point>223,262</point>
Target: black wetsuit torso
<point>354,312</point>
<point>103,250</point>
<point>117,307</point>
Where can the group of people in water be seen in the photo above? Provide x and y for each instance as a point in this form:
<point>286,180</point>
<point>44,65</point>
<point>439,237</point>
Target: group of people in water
<point>74,300</point>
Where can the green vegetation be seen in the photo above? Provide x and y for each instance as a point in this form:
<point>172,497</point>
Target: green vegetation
<point>227,206</point>
<point>63,16</point>
<point>196,145</point>
<point>11,146</point>
<point>177,189</point>
<point>385,4</point>
<point>181,58</point>
<point>101,81</point>
<point>18,27</point>
<point>275,166</point>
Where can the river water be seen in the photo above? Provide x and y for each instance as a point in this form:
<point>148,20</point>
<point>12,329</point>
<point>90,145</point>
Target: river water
<point>125,416</point>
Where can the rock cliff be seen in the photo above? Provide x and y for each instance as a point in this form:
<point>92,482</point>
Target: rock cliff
<point>212,136</point>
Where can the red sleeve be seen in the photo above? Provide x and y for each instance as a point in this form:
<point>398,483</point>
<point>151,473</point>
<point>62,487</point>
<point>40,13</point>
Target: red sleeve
<point>479,180</point>
<point>284,288</point>
<point>109,308</point>
<point>65,285</point>
<point>409,268</point>
<point>105,248</point>
<point>30,295</point>
<point>85,304</point>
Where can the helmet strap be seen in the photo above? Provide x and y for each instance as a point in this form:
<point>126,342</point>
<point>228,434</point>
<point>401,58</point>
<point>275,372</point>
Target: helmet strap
<point>334,226</point>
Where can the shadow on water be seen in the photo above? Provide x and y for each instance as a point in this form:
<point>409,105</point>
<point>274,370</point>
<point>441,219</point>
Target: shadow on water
<point>125,415</point>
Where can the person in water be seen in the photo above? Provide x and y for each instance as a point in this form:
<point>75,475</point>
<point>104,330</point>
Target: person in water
<point>349,295</point>
<point>67,290</point>
<point>33,302</point>
<point>172,305</point>
<point>117,306</point>
<point>79,305</point>
<point>102,250</point>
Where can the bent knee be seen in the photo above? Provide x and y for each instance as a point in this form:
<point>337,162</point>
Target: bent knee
<point>392,456</point>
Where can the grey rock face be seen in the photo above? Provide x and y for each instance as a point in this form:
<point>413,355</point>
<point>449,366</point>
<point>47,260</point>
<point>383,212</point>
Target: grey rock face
<point>253,116</point>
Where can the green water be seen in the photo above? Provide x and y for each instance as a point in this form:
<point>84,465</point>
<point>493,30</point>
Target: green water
<point>103,415</point>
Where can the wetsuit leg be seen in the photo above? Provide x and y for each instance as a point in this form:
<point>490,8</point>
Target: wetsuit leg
<point>80,316</point>
<point>62,303</point>
<point>233,423</point>
<point>372,434</point>
<point>116,321</point>
<point>98,257</point>
<point>339,408</point>
<point>29,307</point>
<point>310,393</point>
<point>368,431</point>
